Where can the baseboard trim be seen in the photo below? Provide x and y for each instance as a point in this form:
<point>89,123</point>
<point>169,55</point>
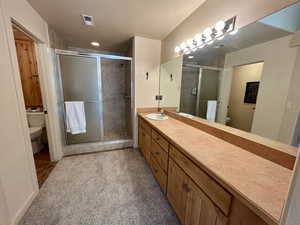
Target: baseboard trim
<point>21,212</point>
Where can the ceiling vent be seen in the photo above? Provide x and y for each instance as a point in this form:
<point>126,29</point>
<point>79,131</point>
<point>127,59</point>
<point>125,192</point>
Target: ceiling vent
<point>87,20</point>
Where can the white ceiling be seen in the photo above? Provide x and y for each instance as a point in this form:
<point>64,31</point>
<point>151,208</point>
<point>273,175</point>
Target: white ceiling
<point>116,21</point>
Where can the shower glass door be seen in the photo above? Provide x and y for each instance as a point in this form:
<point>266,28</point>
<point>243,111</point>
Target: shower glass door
<point>116,100</point>
<point>80,80</point>
<point>208,88</point>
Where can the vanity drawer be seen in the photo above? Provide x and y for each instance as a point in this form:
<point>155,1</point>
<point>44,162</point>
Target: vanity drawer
<point>209,186</point>
<point>159,174</point>
<point>160,155</point>
<point>145,126</point>
<point>160,140</point>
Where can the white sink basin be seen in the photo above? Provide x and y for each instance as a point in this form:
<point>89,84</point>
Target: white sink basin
<point>157,116</point>
<point>186,115</point>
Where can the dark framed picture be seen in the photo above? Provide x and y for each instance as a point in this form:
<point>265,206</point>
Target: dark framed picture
<point>251,92</point>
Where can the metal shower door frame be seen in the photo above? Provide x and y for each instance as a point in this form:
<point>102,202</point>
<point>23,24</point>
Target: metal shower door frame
<point>201,68</point>
<point>98,57</point>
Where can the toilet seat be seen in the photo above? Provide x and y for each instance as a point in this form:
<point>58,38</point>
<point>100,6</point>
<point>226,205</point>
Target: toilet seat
<point>35,132</point>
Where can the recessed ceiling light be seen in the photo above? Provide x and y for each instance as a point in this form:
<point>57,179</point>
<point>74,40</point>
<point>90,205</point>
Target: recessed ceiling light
<point>191,57</point>
<point>95,43</point>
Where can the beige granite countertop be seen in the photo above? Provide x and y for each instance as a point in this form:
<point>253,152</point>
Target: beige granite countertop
<point>261,184</point>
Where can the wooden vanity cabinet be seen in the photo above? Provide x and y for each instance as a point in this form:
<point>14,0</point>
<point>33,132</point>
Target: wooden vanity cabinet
<point>196,197</point>
<point>145,140</point>
<point>177,189</point>
<point>189,202</point>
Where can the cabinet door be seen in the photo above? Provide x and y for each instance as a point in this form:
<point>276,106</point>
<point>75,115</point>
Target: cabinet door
<point>141,138</point>
<point>147,146</point>
<point>200,210</point>
<point>177,189</point>
<point>242,215</point>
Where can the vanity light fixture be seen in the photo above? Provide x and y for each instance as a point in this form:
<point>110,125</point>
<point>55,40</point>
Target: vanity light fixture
<point>208,36</point>
<point>95,43</point>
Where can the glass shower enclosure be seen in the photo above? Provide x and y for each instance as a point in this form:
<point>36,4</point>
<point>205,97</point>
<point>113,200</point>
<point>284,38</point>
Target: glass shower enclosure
<point>103,84</point>
<point>199,85</point>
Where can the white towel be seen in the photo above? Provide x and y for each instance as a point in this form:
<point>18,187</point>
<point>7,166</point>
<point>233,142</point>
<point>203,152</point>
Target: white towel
<point>75,117</point>
<point>211,110</point>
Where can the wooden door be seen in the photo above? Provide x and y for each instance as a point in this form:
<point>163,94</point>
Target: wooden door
<point>29,73</point>
<point>200,210</point>
<point>177,189</point>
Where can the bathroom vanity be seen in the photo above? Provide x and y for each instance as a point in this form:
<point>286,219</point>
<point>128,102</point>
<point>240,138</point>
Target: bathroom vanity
<point>208,180</point>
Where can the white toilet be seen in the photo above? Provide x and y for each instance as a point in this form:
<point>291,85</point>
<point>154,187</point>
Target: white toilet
<point>36,122</point>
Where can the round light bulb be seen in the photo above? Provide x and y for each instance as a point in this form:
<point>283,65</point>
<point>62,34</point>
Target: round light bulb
<point>185,50</point>
<point>208,39</point>
<point>183,45</point>
<point>190,43</point>
<point>207,32</point>
<point>219,33</point>
<point>200,42</point>
<point>198,37</point>
<point>177,49</point>
<point>220,25</point>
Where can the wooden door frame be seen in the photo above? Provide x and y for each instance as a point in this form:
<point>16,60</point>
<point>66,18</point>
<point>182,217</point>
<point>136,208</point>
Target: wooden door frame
<point>45,71</point>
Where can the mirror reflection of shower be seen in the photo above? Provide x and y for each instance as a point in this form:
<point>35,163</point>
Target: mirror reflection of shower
<point>199,90</point>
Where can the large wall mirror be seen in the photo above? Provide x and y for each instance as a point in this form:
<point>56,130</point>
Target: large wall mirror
<point>249,81</point>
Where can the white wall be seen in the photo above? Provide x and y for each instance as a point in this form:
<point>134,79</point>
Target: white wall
<point>279,61</point>
<point>4,213</point>
<point>170,89</point>
<point>17,171</point>
<point>146,57</point>
<point>292,108</point>
<point>242,113</point>
<point>224,94</point>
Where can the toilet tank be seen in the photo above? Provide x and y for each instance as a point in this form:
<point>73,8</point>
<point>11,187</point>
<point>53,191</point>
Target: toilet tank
<point>36,119</point>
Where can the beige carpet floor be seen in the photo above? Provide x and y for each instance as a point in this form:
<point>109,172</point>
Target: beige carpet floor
<point>107,188</point>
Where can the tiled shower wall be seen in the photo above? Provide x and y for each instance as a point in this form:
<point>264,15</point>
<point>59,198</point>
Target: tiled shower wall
<point>115,75</point>
<point>188,98</point>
